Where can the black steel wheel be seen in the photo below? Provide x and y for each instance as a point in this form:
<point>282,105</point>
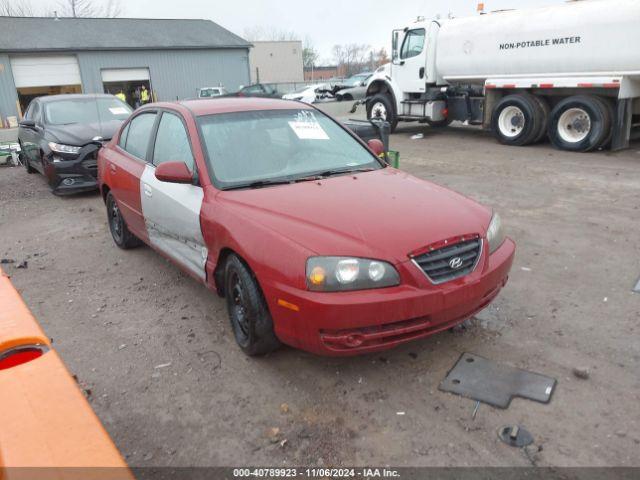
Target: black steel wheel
<point>248,311</point>
<point>122,237</point>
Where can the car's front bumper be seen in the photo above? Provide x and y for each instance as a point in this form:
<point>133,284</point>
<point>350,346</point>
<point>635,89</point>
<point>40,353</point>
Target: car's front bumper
<point>72,175</point>
<point>349,323</point>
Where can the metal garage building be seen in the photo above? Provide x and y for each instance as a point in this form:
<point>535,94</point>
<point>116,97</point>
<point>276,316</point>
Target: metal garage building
<point>43,56</point>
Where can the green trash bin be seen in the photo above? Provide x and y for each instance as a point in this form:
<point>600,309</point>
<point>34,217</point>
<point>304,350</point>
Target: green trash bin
<point>393,158</point>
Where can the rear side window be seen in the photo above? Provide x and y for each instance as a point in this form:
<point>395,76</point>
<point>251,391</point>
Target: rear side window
<point>172,142</point>
<point>139,134</point>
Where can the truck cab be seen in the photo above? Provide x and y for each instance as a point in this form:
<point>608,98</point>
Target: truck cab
<point>406,89</point>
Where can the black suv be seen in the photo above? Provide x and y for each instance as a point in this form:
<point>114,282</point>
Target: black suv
<point>59,133</point>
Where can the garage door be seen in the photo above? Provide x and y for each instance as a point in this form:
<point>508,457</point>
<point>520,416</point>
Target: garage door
<point>45,71</point>
<point>125,74</point>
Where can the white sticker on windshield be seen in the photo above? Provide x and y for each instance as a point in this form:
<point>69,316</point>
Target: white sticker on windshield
<point>306,127</point>
<point>118,111</point>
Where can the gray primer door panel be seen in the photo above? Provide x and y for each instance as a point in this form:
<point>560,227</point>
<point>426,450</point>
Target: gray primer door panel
<point>172,217</point>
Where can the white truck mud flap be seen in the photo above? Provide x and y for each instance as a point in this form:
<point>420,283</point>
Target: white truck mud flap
<point>172,217</point>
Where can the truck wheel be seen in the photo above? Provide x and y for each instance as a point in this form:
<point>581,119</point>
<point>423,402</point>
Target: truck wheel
<point>515,120</point>
<point>122,237</point>
<point>380,106</point>
<point>543,117</point>
<point>248,311</point>
<point>580,124</point>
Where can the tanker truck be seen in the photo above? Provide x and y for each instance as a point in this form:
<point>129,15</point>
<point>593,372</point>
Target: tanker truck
<point>569,72</point>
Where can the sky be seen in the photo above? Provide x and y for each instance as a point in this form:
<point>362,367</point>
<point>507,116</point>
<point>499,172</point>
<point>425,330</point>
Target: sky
<point>325,22</point>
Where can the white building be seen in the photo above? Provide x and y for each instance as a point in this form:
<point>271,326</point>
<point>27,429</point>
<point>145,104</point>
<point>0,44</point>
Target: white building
<point>276,62</point>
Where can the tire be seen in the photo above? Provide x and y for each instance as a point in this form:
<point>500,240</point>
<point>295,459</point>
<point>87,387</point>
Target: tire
<point>248,311</point>
<point>24,158</point>
<point>610,119</point>
<point>543,117</point>
<point>122,237</point>
<point>381,106</point>
<point>580,123</point>
<point>515,120</point>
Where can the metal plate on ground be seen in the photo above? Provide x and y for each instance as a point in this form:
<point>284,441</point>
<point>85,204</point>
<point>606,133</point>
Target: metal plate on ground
<point>636,288</point>
<point>481,379</point>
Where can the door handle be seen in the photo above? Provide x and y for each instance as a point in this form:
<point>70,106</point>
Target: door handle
<point>421,72</point>
<point>112,167</point>
<point>147,190</point>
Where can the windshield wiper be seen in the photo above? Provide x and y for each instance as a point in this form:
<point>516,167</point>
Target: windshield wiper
<point>330,173</point>
<point>259,184</point>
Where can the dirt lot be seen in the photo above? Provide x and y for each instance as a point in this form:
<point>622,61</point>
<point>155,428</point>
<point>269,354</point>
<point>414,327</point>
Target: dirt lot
<point>117,317</point>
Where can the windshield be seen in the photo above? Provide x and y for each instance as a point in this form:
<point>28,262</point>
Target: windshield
<point>86,110</point>
<point>279,145</point>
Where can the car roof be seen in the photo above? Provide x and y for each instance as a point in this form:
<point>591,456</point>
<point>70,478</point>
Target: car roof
<point>73,96</point>
<point>214,106</point>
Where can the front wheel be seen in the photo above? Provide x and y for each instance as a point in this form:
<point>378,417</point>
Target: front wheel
<point>122,237</point>
<point>380,106</point>
<point>24,158</point>
<point>248,311</point>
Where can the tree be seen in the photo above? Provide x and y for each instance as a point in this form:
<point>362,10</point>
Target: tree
<point>66,8</point>
<point>260,33</point>
<point>310,55</point>
<point>90,8</point>
<point>351,58</point>
<point>16,8</point>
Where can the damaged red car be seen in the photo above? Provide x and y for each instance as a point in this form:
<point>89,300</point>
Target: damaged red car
<point>312,239</point>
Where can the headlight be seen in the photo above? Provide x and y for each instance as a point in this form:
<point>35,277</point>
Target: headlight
<point>495,233</point>
<point>333,274</point>
<point>57,147</point>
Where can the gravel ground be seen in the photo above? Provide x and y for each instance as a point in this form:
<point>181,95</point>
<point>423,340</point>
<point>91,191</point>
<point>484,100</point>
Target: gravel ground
<point>155,352</point>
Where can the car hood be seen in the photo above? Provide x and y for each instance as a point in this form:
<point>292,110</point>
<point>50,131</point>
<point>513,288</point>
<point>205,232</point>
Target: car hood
<point>383,214</point>
<point>80,134</point>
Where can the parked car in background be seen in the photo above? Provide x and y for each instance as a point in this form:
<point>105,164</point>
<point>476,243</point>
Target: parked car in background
<point>257,90</point>
<point>309,93</point>
<point>355,93</point>
<point>57,135</point>
<point>357,80</point>
<point>312,239</point>
<point>208,92</point>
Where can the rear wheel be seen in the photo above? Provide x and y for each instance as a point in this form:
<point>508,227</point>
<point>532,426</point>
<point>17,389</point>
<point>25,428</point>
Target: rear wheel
<point>248,311</point>
<point>543,117</point>
<point>380,106</point>
<point>516,119</point>
<point>122,237</point>
<point>25,160</point>
<point>581,123</point>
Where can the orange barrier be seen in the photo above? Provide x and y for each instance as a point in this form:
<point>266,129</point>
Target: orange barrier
<point>45,420</point>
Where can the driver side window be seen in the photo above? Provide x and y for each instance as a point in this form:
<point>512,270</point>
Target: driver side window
<point>172,142</point>
<point>413,43</point>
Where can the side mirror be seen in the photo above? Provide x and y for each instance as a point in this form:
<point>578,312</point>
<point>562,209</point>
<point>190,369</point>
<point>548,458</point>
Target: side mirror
<point>174,172</point>
<point>376,146</point>
<point>27,124</point>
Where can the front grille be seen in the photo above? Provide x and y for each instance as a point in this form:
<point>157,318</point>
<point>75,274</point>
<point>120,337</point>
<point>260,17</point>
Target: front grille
<point>450,262</point>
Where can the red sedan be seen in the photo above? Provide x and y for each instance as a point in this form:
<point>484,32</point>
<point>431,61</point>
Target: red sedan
<point>310,237</point>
